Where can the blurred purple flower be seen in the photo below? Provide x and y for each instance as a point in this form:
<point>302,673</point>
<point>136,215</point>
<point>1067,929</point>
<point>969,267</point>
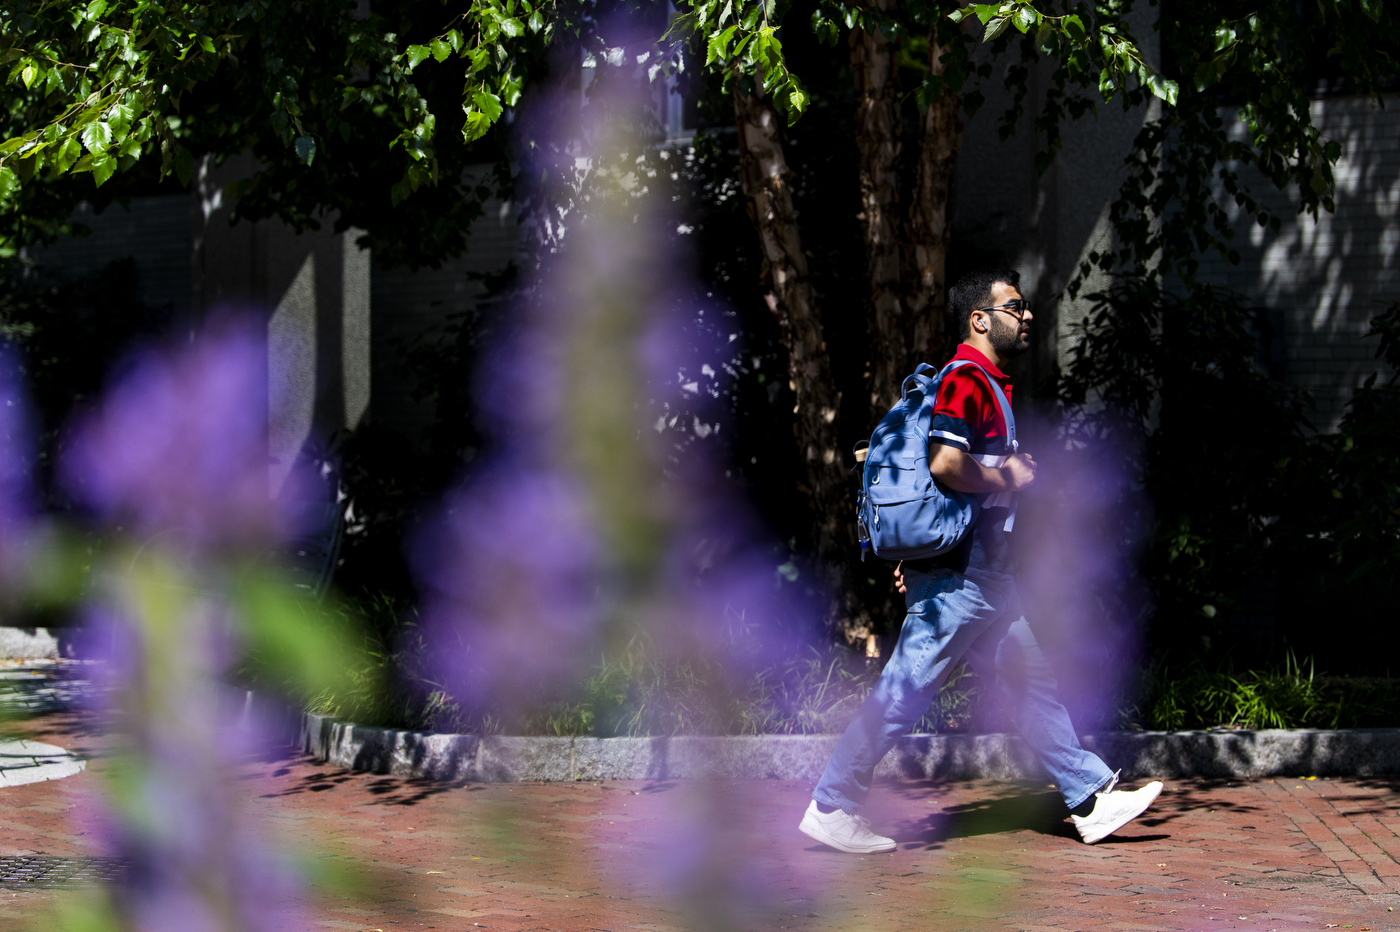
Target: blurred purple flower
<point>16,463</point>
<point>194,860</point>
<point>511,573</point>
<point>178,447</point>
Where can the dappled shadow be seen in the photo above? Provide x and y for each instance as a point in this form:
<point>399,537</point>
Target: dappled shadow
<point>1027,805</point>
<point>388,790</point>
<point>316,782</point>
<point>397,791</point>
<point>1042,812</point>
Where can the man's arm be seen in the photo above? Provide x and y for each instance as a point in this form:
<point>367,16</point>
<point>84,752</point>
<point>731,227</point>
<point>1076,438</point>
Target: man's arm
<point>958,470</point>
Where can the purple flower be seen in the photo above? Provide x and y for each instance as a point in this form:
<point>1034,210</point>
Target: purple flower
<point>16,463</point>
<point>178,448</point>
<point>511,572</point>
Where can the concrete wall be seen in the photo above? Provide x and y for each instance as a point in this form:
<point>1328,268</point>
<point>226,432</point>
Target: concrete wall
<point>1327,277</point>
<point>1043,225</point>
<point>1320,280</point>
<point>315,289</point>
<point>155,231</point>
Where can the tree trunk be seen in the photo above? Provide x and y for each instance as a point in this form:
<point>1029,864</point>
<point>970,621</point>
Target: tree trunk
<point>794,303</point>
<point>930,222</point>
<point>877,139</point>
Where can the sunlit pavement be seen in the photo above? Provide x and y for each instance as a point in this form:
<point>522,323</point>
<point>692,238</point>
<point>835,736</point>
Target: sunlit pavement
<point>394,854</point>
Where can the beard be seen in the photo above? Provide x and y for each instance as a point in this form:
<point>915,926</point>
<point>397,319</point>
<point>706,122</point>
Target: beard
<point>1010,341</point>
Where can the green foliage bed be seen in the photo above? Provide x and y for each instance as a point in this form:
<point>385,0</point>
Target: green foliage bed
<point>640,692</point>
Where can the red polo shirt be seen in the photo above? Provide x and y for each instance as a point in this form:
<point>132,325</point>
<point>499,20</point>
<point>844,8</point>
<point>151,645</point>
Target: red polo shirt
<point>965,413</point>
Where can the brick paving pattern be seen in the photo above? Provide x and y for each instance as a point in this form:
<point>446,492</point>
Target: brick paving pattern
<point>388,853</point>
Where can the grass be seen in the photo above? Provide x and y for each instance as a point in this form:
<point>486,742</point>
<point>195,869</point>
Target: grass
<point>1289,696</point>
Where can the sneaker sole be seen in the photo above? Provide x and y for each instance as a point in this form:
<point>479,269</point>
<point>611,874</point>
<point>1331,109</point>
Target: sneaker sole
<point>1112,827</point>
<point>815,832</point>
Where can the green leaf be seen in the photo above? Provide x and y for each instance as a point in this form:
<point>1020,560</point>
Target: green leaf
<point>480,58</point>
<point>96,136</point>
<point>535,22</point>
<point>512,27</point>
<point>1373,9</point>
<point>929,91</point>
<point>986,12</point>
<point>306,149</point>
<point>440,49</point>
<point>476,126</point>
<point>454,39</point>
<point>719,45</point>
<point>66,154</point>
<point>103,167</point>
<point>1043,34</point>
<point>824,29</point>
<point>29,74</point>
<point>1205,75</point>
<point>416,55</point>
<point>9,183</point>
<point>207,44</point>
<point>119,118</point>
<point>1025,19</point>
<point>958,16</point>
<point>797,99</point>
<point>184,164</point>
<point>1163,88</point>
<point>995,28</point>
<point>489,104</point>
<point>1074,27</point>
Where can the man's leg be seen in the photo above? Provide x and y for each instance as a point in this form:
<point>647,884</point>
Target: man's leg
<point>1011,658</point>
<point>946,615</point>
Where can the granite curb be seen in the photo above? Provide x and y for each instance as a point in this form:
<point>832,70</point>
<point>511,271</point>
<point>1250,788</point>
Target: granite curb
<point>500,759</point>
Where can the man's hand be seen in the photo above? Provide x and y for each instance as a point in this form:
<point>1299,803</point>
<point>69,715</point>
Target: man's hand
<point>957,470</point>
<point>899,577</point>
<point>1020,471</point>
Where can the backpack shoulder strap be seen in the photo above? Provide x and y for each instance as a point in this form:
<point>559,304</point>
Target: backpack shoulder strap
<point>1005,405</point>
<point>1002,401</point>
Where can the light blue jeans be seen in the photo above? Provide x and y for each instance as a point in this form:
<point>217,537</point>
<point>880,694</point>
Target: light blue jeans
<point>951,616</point>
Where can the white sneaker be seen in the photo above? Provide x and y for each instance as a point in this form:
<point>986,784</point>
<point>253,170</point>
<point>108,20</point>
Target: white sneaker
<point>1113,810</point>
<point>843,831</point>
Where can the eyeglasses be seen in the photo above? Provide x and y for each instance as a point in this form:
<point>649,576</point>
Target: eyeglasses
<point>1015,308</point>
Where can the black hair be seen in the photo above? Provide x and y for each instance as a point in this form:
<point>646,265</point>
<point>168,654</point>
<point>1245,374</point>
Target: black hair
<point>972,291</point>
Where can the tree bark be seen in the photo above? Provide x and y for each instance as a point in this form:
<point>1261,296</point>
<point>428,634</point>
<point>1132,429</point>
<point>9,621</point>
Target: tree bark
<point>877,140</point>
<point>795,305</point>
<point>930,221</point>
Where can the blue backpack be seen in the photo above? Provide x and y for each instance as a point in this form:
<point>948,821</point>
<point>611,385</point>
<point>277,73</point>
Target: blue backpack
<point>902,512</point>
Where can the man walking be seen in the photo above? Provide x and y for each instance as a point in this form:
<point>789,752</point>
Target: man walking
<point>964,604</point>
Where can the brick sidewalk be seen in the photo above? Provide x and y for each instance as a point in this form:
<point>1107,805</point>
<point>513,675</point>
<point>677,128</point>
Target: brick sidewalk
<point>1272,854</point>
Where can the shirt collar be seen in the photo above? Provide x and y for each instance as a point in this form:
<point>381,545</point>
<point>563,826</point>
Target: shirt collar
<point>968,352</point>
